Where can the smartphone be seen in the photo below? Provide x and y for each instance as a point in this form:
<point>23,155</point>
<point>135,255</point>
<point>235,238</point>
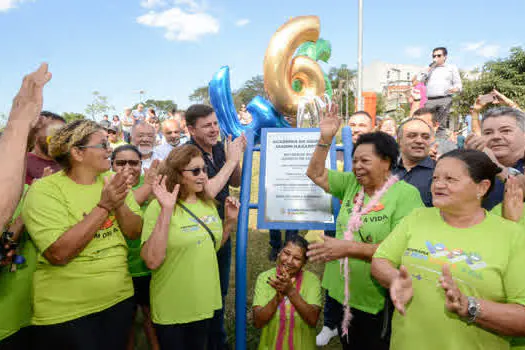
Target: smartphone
<point>486,99</point>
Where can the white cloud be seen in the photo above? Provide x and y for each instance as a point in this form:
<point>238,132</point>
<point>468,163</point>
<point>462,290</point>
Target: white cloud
<point>473,46</point>
<point>242,22</point>
<point>481,49</point>
<point>6,5</point>
<point>191,4</point>
<point>150,4</point>
<point>181,25</point>
<point>489,51</point>
<point>413,51</point>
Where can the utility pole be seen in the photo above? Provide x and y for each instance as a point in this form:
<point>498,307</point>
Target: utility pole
<point>360,104</point>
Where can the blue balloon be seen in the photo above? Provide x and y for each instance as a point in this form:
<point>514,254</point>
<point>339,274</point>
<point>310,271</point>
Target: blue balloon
<point>264,115</point>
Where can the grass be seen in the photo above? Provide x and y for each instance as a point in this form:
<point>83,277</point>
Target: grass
<point>258,249</point>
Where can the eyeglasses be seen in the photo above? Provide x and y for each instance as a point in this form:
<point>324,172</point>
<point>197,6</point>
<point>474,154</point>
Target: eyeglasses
<point>197,171</point>
<point>123,162</point>
<point>112,132</point>
<point>104,145</point>
<point>434,56</point>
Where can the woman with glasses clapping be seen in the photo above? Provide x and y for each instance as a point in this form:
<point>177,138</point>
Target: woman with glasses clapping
<point>78,219</point>
<point>182,232</point>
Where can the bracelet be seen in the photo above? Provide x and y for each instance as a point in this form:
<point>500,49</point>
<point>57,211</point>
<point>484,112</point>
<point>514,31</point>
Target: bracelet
<point>103,207</point>
<point>324,145</point>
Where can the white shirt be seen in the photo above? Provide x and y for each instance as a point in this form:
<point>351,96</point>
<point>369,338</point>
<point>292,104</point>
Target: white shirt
<point>442,78</point>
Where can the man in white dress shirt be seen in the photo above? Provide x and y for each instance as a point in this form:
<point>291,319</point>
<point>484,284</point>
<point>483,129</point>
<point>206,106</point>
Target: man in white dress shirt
<point>442,81</point>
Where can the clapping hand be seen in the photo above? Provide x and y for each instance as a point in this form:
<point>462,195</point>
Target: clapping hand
<point>47,171</point>
<point>512,208</point>
<point>328,250</point>
<point>455,301</point>
<point>282,283</point>
<point>235,149</point>
<point>115,190</point>
<point>231,209</point>
<point>401,291</point>
<point>166,198</point>
<point>27,104</point>
<point>475,142</point>
<point>151,173</point>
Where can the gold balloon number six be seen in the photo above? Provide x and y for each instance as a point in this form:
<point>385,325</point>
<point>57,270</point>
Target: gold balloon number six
<point>281,69</point>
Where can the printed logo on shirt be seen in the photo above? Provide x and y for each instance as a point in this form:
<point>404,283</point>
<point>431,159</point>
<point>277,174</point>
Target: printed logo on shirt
<point>470,262</point>
<point>107,229</point>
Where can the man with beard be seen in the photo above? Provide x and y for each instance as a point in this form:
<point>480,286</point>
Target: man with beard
<point>223,171</point>
<point>503,139</point>
<point>38,161</point>
<point>143,137</point>
<point>415,166</point>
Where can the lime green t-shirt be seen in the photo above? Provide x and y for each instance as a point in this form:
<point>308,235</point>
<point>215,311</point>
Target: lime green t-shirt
<point>137,266</point>
<point>15,287</point>
<point>303,334</point>
<point>98,277</point>
<point>366,294</point>
<point>486,262</point>
<point>516,343</point>
<point>186,287</point>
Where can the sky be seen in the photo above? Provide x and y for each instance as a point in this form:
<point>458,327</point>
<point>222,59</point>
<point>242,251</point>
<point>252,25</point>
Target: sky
<point>168,48</point>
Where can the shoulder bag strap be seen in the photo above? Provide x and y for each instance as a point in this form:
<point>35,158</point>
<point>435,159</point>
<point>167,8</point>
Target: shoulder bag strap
<point>200,222</point>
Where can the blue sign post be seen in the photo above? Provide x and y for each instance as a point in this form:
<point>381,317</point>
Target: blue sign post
<point>242,226</point>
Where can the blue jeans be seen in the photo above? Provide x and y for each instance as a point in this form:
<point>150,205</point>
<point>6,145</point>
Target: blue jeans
<point>218,338</point>
<point>276,237</point>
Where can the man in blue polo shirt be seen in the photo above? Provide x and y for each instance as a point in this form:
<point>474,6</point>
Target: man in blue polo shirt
<point>415,166</point>
<point>223,171</point>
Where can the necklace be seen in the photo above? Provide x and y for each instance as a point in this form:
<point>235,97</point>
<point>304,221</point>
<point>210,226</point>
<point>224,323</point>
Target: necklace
<point>354,224</point>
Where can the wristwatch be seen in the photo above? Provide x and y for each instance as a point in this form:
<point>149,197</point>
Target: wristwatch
<point>511,172</point>
<point>473,309</point>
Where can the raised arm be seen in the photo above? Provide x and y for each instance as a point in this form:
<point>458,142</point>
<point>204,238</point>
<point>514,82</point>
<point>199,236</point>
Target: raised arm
<point>26,108</point>
<point>231,209</point>
<point>154,250</point>
<point>230,172</point>
<point>329,126</point>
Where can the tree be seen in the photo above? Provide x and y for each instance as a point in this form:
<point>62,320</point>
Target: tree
<point>162,107</point>
<point>3,120</point>
<point>506,75</point>
<point>250,89</point>
<point>380,104</point>
<point>200,95</point>
<point>100,105</point>
<point>70,116</point>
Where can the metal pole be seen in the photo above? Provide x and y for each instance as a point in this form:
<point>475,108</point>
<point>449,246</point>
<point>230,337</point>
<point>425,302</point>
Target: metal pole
<point>360,104</point>
<point>242,246</point>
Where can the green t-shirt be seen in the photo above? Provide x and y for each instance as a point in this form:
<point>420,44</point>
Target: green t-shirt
<point>98,277</point>
<point>303,334</point>
<point>486,261</point>
<point>186,287</point>
<point>15,287</point>
<point>516,343</point>
<point>366,294</point>
<point>137,266</point>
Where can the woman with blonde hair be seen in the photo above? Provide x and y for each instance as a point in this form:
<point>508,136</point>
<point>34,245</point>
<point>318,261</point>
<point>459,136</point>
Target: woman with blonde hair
<point>78,219</point>
<point>182,232</point>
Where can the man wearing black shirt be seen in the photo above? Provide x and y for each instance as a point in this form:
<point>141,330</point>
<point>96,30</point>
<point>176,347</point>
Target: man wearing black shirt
<point>415,166</point>
<point>223,171</point>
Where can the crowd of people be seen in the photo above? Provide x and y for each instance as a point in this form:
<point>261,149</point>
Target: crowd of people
<point>102,220</point>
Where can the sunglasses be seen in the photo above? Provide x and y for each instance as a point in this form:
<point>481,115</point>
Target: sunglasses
<point>434,56</point>
<point>123,162</point>
<point>112,132</point>
<point>197,171</point>
<point>104,145</point>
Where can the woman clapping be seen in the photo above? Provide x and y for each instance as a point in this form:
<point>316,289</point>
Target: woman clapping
<point>78,219</point>
<point>182,232</point>
<point>455,272</point>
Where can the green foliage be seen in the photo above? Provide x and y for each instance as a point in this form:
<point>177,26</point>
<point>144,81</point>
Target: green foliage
<point>70,116</point>
<point>200,95</point>
<point>161,107</point>
<point>380,104</point>
<point>341,74</point>
<point>99,105</point>
<point>250,89</point>
<point>506,75</point>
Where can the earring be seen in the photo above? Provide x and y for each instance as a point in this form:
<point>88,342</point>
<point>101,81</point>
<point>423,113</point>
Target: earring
<point>478,196</point>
